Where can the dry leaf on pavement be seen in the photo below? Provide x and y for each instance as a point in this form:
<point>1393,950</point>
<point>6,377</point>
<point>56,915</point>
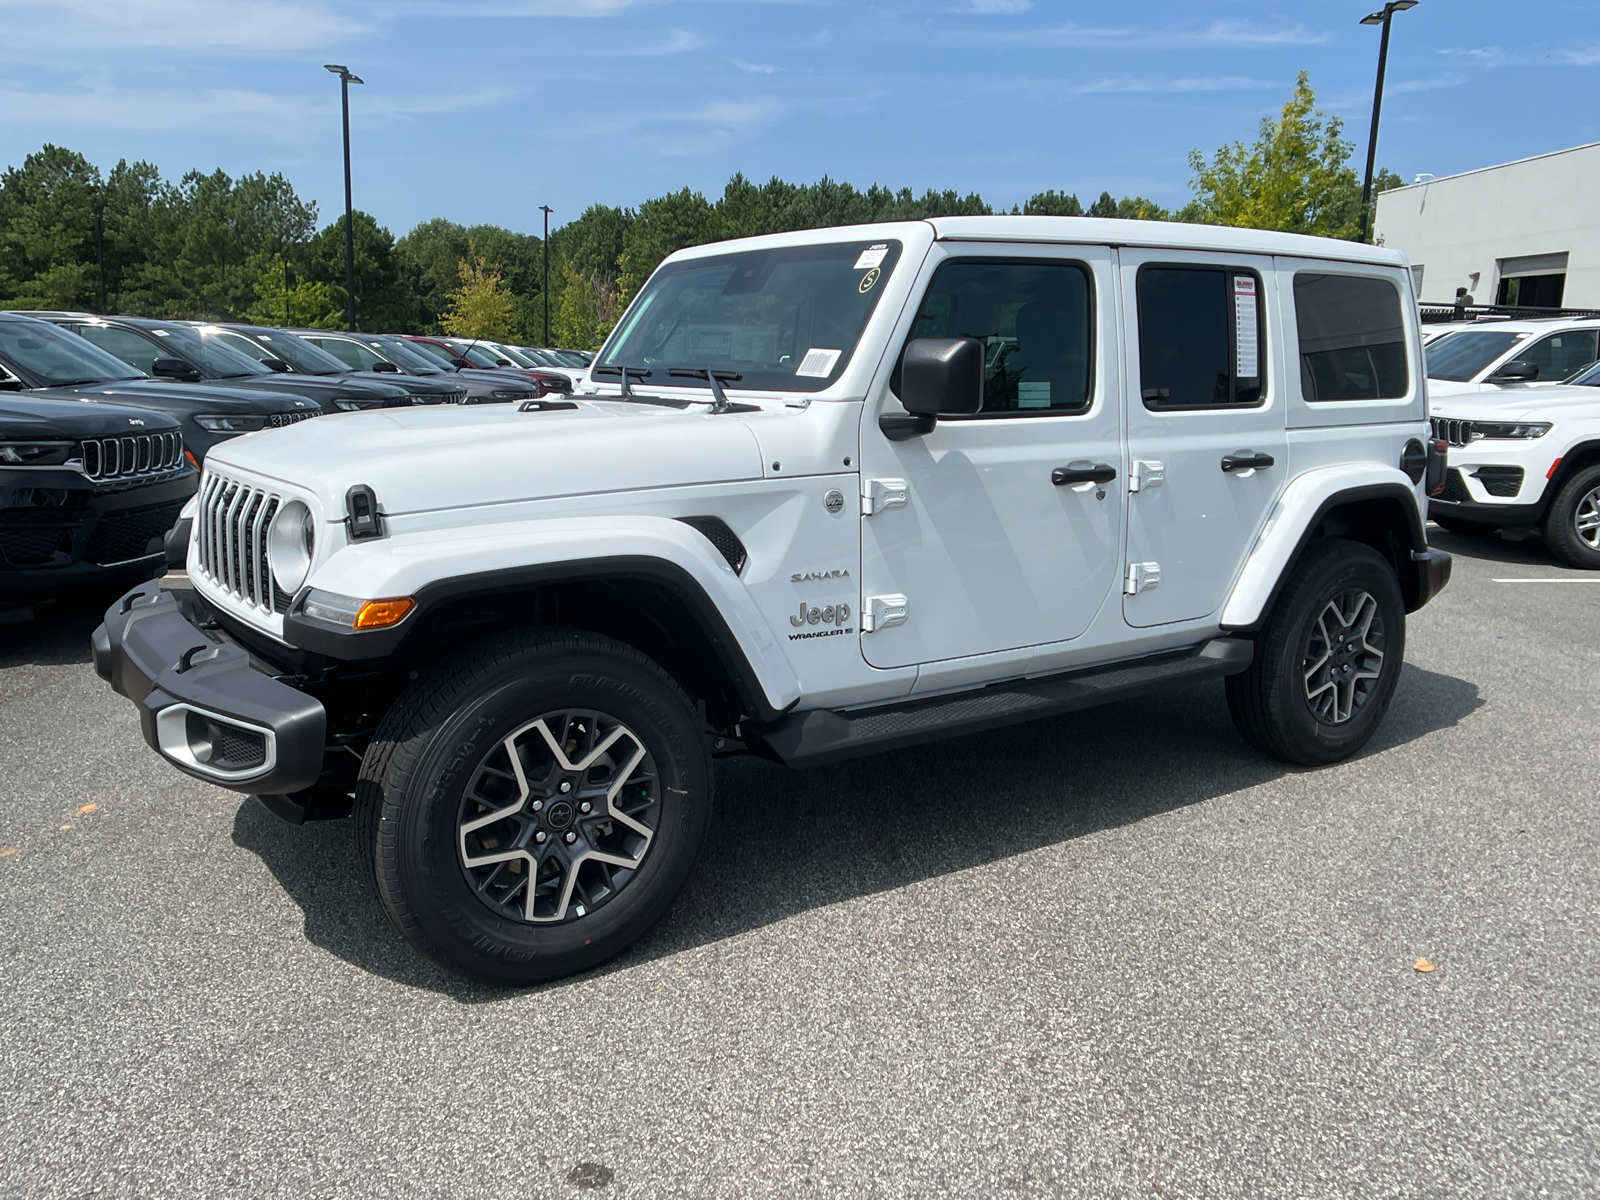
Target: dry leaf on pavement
<point>1424,966</point>
<point>87,808</point>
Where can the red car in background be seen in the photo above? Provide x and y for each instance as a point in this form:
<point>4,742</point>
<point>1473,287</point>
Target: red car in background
<point>484,356</point>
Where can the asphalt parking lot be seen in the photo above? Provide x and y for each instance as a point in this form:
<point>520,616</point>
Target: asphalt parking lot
<point>1115,954</point>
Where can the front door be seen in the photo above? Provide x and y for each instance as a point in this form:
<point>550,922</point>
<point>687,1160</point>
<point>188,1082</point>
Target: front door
<point>993,528</point>
<point>1207,440</point>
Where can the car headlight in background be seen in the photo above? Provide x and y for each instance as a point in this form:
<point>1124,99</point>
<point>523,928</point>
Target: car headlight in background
<point>1520,430</point>
<point>227,424</point>
<point>34,454</point>
<point>517,395</point>
<point>356,403</point>
<point>290,543</point>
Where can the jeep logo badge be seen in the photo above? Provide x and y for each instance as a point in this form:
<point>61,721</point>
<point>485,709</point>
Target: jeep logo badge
<point>832,614</point>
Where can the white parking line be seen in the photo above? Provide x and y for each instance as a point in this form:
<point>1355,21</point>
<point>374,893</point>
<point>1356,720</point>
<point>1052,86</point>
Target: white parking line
<point>1556,580</point>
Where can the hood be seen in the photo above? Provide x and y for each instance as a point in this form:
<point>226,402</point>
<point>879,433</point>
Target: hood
<point>183,397</point>
<point>415,385</point>
<point>316,387</point>
<point>430,457</point>
<point>1514,404</point>
<point>35,417</point>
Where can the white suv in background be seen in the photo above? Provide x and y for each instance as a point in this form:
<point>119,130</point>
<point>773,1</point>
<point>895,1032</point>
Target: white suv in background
<point>1497,356</point>
<point>1521,460</point>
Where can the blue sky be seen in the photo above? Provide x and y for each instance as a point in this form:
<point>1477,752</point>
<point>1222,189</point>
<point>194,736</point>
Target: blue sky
<point>481,110</point>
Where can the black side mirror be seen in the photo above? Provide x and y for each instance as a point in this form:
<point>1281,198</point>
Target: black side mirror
<point>173,368</point>
<point>388,367</point>
<point>1515,372</point>
<point>938,377</point>
<point>275,364</point>
<point>504,362</point>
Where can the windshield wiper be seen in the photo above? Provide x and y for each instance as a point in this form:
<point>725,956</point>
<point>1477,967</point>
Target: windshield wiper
<point>626,373</point>
<point>715,380</point>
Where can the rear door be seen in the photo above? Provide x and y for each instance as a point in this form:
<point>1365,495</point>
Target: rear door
<point>1207,445</point>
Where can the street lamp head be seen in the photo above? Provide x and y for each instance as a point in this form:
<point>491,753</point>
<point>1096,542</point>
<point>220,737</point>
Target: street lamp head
<point>1369,19</point>
<point>342,72</point>
<point>1394,6</point>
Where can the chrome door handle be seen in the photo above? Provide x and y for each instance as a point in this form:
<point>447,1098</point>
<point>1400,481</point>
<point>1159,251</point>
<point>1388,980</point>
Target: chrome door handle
<point>1246,460</point>
<point>1083,472</point>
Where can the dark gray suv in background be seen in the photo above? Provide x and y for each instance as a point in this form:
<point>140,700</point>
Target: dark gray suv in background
<point>365,351</point>
<point>271,346</point>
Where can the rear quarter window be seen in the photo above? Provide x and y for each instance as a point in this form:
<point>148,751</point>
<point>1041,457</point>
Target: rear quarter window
<point>1352,338</point>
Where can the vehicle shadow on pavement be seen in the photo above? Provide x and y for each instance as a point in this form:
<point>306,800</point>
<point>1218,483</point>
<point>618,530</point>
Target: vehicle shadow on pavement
<point>783,842</point>
<point>57,635</point>
<point>1531,551</point>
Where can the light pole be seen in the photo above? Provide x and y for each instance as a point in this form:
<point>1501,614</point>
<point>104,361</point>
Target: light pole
<point>345,80</point>
<point>1377,18</point>
<point>546,210</point>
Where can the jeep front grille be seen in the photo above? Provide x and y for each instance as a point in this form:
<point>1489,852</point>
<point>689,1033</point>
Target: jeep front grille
<point>279,420</point>
<point>132,456</point>
<point>231,535</point>
<point>1457,433</point>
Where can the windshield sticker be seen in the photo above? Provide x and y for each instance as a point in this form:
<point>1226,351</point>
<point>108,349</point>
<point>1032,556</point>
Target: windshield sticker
<point>1244,308</point>
<point>872,256</point>
<point>1033,395</point>
<point>867,280</point>
<point>818,364</point>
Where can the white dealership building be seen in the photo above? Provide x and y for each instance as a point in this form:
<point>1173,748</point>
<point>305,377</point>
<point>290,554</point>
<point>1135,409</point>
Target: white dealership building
<point>1523,233</point>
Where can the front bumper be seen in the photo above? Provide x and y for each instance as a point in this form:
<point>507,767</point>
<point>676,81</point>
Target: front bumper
<point>204,704</point>
<point>1433,573</point>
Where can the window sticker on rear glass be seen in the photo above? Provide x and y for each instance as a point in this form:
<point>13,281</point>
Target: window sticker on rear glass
<point>872,256</point>
<point>1248,365</point>
<point>818,364</point>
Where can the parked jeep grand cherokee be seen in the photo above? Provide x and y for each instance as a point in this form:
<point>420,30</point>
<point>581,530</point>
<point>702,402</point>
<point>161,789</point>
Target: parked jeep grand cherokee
<point>87,492</point>
<point>830,492</point>
<point>278,346</point>
<point>39,359</point>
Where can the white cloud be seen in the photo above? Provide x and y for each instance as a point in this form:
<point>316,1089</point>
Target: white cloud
<point>1218,33</point>
<point>1494,56</point>
<point>256,27</point>
<point>509,8</point>
<point>1210,83</point>
<point>1001,8</point>
<point>754,68</point>
<point>677,41</point>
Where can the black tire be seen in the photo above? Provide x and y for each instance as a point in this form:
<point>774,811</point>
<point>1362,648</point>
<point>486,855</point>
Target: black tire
<point>1576,504</point>
<point>1269,702</point>
<point>422,785</point>
<point>1462,528</point>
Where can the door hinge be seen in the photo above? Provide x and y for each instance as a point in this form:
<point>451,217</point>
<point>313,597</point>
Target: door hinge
<point>878,495</point>
<point>884,612</point>
<point>1145,475</point>
<point>1141,578</point>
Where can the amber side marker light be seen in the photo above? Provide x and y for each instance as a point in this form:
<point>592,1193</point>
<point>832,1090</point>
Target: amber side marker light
<point>380,614</point>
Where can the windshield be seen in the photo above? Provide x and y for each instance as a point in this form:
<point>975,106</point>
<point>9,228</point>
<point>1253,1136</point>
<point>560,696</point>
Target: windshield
<point>1460,356</point>
<point>480,356</point>
<point>517,356</point>
<point>566,358</point>
<point>212,355</point>
<point>785,319</point>
<point>1588,377</point>
<point>404,354</point>
<point>302,356</point>
<point>55,357</point>
<point>439,355</point>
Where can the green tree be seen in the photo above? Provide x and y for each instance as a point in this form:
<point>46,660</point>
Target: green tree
<point>1053,204</point>
<point>389,286</point>
<point>1296,177</point>
<point>1129,208</point>
<point>482,307</point>
<point>283,299</point>
<point>47,231</point>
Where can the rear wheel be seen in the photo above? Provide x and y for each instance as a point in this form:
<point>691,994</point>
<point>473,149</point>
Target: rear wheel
<point>1327,660</point>
<point>532,806</point>
<point>1572,525</point>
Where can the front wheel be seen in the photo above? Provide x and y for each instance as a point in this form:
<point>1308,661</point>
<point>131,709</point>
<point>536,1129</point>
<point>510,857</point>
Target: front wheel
<point>1572,526</point>
<point>533,805</point>
<point>1327,660</point>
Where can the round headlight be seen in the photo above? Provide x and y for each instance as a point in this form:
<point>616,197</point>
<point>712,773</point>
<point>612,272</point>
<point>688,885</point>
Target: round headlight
<point>290,541</point>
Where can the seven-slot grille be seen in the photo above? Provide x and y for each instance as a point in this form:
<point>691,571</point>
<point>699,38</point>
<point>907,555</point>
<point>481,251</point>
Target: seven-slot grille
<point>231,534</point>
<point>131,456</point>
<point>279,420</point>
<point>1457,433</point>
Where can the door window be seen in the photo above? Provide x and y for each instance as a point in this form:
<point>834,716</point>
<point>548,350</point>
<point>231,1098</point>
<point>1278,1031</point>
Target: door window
<point>137,351</point>
<point>1034,319</point>
<point>1352,339</point>
<point>1200,337</point>
<point>352,354</point>
<point>1560,354</point>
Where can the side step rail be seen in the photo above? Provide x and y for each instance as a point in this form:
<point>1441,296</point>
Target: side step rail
<point>809,739</point>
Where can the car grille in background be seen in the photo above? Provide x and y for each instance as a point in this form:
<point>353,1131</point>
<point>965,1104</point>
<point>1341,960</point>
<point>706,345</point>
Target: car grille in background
<point>128,457</point>
<point>230,532</point>
<point>279,420</point>
<point>33,547</point>
<point>1457,433</point>
<point>1455,488</point>
<point>1500,481</point>
<point>121,536</point>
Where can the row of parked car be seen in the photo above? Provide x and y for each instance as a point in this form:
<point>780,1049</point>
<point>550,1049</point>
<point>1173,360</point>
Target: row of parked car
<point>106,421</point>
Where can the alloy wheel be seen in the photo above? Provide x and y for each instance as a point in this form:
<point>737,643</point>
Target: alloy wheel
<point>1586,519</point>
<point>559,816</point>
<point>1343,658</point>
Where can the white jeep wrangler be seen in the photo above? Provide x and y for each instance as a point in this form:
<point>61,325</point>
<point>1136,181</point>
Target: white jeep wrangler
<point>827,493</point>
